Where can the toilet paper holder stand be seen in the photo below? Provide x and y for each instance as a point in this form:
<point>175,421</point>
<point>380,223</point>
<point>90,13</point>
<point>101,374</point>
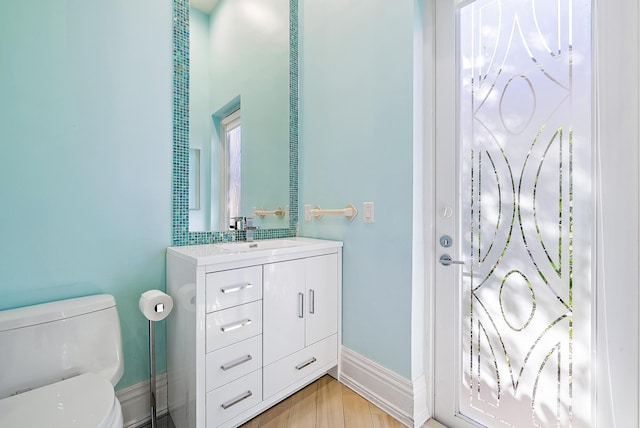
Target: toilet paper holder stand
<point>152,366</point>
<point>158,308</point>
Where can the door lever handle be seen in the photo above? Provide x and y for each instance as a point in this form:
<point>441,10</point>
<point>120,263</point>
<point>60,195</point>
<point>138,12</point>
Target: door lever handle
<point>445,260</point>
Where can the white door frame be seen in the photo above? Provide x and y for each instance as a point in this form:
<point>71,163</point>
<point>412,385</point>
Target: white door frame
<point>616,129</point>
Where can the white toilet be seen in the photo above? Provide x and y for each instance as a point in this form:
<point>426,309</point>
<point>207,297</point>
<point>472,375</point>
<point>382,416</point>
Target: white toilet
<point>59,362</point>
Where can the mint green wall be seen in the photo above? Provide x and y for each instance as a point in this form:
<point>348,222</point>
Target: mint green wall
<point>85,114</point>
<point>356,145</point>
<point>86,151</point>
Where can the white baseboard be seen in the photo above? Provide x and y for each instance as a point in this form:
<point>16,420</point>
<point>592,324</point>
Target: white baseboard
<point>382,387</point>
<point>136,402</point>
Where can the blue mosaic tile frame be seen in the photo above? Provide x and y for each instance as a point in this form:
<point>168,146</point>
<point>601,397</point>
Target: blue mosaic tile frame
<point>180,185</point>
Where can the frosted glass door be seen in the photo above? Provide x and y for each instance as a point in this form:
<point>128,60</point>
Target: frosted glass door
<point>525,212</point>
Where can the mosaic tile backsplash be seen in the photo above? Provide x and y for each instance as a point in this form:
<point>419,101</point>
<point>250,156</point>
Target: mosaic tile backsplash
<point>180,185</point>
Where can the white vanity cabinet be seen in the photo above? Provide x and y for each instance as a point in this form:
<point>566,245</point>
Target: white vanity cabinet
<point>250,326</point>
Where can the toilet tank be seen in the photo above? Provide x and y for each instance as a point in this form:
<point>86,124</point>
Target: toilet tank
<point>42,344</point>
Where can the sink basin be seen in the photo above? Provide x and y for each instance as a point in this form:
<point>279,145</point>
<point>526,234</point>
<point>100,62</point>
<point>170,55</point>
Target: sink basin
<point>268,244</point>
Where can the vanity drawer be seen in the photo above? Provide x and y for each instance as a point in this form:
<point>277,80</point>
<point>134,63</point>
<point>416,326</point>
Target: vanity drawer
<point>233,325</point>
<point>233,287</point>
<point>228,364</point>
<point>294,367</point>
<point>234,398</point>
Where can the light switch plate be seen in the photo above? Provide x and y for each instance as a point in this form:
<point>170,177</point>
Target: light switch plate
<point>307,213</point>
<point>367,212</point>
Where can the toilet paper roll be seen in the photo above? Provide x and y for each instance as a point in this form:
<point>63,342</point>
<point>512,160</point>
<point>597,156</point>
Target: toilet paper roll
<point>155,305</point>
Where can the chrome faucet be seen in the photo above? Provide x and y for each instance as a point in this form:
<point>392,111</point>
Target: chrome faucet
<point>250,228</point>
<point>237,223</point>
<point>244,224</point>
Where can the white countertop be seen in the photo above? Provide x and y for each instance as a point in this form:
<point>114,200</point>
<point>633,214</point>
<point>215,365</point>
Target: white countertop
<point>241,250</point>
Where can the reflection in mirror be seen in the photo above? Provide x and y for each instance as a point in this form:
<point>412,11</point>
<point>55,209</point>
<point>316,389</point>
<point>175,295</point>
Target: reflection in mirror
<point>231,168</point>
<point>239,60</point>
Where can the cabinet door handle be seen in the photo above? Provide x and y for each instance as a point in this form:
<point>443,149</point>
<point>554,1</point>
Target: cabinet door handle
<point>312,301</point>
<point>237,400</point>
<point>230,327</point>
<point>300,305</point>
<point>236,363</point>
<point>235,288</point>
<point>306,363</point>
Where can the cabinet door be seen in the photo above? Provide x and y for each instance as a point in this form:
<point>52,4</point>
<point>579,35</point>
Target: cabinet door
<point>283,302</point>
<point>322,297</point>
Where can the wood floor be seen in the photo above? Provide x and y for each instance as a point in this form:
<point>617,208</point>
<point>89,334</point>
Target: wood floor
<point>326,403</point>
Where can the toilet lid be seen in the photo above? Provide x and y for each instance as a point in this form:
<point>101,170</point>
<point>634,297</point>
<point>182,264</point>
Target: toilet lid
<point>86,400</point>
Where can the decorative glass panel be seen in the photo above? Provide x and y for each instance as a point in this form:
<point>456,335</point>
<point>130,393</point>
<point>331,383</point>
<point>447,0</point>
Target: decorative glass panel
<point>526,202</point>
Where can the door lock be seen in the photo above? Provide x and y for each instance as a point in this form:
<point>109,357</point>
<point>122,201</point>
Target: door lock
<point>446,241</point>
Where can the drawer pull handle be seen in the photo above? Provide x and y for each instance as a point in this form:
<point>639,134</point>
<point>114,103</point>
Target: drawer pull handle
<point>236,363</point>
<point>312,301</point>
<point>306,363</point>
<point>300,305</point>
<point>230,327</point>
<point>234,288</point>
<point>237,400</point>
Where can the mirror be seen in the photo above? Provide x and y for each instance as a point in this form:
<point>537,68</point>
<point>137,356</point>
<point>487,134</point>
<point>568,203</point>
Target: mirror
<point>235,85</point>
